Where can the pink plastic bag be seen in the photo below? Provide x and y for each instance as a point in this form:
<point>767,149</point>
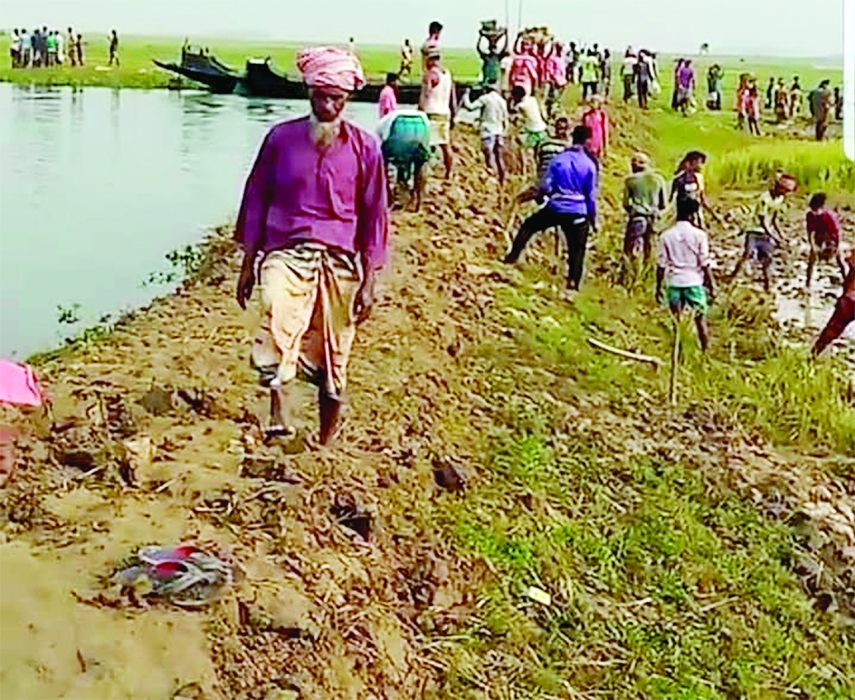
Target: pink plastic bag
<point>18,384</point>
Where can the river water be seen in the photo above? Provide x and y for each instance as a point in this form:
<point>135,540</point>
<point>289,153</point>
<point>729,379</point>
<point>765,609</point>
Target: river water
<point>97,185</point>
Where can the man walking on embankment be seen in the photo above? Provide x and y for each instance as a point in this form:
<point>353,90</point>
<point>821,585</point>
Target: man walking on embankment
<point>313,220</point>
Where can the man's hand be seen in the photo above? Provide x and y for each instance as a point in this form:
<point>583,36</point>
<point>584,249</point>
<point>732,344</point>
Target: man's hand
<point>364,299</point>
<point>246,280</point>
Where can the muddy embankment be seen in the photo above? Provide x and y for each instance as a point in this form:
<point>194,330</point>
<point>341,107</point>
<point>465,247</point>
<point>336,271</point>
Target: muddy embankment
<point>348,585</point>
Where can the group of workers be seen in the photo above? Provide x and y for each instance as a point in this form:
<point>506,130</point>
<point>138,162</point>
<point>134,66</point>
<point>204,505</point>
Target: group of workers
<point>313,222</point>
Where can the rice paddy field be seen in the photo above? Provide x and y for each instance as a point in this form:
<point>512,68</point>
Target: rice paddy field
<point>595,541</point>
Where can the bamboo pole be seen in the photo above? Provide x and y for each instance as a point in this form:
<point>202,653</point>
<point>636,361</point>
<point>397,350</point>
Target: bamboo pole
<point>655,361</point>
<point>675,357</point>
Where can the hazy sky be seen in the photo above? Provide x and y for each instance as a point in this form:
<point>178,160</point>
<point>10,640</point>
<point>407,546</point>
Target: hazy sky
<point>768,27</point>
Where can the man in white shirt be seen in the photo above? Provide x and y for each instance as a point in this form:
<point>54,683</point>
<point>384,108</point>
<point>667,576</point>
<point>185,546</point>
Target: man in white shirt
<point>438,101</point>
<point>492,126</point>
<point>684,267</point>
<point>533,127</point>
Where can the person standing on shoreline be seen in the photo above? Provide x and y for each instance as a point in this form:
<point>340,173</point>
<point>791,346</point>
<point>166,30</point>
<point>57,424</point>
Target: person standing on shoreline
<point>406,67</point>
<point>313,220</point>
<point>72,48</point>
<point>114,49</point>
<point>431,44</point>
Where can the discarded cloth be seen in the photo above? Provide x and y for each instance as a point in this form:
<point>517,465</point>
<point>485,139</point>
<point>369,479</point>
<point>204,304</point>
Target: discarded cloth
<point>184,575</point>
<point>18,384</point>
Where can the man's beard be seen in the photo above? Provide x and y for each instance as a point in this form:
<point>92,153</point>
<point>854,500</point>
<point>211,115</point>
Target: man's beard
<point>324,133</point>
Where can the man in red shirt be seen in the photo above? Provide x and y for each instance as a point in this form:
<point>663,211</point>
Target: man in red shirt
<point>844,311</point>
<point>823,236</point>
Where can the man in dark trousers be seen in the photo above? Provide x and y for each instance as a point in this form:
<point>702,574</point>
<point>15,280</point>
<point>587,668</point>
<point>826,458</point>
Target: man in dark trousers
<point>570,185</point>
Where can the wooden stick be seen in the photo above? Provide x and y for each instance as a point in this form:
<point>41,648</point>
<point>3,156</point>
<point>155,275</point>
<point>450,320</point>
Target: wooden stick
<point>675,357</point>
<point>655,361</point>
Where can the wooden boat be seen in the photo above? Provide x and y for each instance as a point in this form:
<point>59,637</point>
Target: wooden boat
<point>206,69</point>
<point>260,80</point>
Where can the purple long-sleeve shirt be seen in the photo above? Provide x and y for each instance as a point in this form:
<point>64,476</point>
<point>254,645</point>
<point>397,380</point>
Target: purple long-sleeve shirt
<point>570,183</point>
<point>299,192</point>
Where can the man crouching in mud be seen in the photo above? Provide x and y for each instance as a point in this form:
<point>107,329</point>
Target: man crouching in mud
<point>313,223</point>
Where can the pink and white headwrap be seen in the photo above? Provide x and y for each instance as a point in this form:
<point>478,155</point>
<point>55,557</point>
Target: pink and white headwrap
<point>330,67</point>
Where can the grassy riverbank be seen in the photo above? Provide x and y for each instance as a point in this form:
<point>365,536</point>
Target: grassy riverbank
<point>690,552</point>
<point>138,71</point>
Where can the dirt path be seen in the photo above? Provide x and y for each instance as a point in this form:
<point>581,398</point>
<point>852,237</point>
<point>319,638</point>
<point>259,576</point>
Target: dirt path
<point>318,607</point>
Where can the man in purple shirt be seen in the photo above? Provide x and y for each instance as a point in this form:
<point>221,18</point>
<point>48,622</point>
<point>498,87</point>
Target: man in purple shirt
<point>570,184</point>
<point>313,224</point>
<point>685,85</point>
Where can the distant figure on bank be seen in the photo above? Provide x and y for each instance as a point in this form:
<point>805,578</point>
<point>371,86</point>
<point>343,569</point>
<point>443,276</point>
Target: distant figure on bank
<point>685,87</point>
<point>72,48</point>
<point>597,120</point>
<point>114,49</point>
<point>838,105</point>
<point>770,94</point>
<point>50,47</point>
<point>439,102</point>
<point>752,109</point>
<point>606,73</point>
<point>36,44</point>
<point>796,96</point>
<point>684,269</point>
<point>26,48</point>
<point>627,72</point>
<point>80,50</point>
<point>844,310</point>
<point>570,184</point>
<point>714,80</point>
<point>782,102</point>
<point>643,201</point>
<point>765,237</point>
<point>823,232</point>
<point>493,120</point>
<point>590,74</point>
<point>314,212</point>
<point>388,101</point>
<point>14,50</point>
<point>823,109</point>
<point>533,128</point>
<point>406,148</point>
<point>431,45</point>
<point>643,78</point>
<point>60,47</point>
<point>406,60</point>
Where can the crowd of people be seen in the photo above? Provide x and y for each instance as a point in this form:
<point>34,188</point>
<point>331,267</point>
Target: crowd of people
<point>313,221</point>
<point>787,103</point>
<point>46,48</point>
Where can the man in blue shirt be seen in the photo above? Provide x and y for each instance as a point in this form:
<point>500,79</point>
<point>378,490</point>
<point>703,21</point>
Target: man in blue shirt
<point>570,185</point>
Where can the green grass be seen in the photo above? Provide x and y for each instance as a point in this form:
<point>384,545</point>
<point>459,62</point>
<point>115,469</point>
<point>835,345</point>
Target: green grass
<point>818,166</point>
<point>138,71</point>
